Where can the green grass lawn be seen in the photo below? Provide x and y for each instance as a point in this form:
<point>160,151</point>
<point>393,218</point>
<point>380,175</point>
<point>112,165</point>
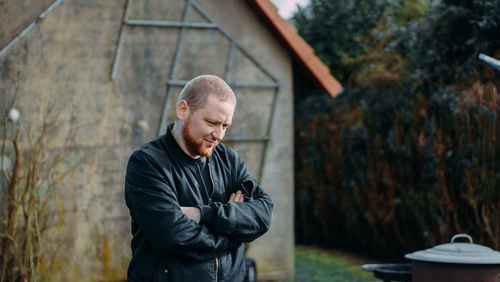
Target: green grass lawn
<point>316,265</point>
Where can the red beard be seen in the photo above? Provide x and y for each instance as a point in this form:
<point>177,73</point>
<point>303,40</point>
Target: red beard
<point>194,146</point>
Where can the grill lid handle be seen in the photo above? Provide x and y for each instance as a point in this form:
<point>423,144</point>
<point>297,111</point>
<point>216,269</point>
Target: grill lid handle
<point>461,236</point>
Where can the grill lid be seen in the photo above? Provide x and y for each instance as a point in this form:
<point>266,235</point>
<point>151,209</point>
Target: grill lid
<point>463,253</point>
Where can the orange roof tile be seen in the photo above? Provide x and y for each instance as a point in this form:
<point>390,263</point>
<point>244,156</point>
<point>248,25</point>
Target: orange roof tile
<point>298,46</point>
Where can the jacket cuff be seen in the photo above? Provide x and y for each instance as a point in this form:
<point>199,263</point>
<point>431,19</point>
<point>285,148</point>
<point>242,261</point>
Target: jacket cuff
<point>207,215</point>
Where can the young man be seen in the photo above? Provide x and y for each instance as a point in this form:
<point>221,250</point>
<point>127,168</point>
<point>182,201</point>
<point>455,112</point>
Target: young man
<point>192,202</point>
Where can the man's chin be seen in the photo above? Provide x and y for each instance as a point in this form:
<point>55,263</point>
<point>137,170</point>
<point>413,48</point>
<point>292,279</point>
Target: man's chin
<point>207,152</point>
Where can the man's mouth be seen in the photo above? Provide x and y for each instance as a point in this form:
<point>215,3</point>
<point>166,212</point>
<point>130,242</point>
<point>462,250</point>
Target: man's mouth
<point>211,143</point>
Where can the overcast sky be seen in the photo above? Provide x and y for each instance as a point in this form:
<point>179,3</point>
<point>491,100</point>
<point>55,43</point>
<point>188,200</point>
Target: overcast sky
<point>286,8</point>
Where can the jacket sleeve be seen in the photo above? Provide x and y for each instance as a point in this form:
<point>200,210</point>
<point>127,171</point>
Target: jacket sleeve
<point>154,206</point>
<point>241,221</point>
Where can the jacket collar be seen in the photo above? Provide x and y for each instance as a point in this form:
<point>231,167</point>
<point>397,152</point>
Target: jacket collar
<point>173,147</point>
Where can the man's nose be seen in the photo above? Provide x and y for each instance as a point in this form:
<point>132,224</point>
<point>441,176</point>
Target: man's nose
<point>218,133</point>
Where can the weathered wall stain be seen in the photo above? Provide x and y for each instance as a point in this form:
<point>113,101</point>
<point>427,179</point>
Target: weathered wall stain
<point>69,55</point>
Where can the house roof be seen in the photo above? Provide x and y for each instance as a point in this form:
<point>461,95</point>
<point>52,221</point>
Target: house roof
<point>302,51</point>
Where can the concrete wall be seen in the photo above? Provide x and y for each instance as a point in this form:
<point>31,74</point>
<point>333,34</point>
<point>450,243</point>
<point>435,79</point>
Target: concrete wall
<point>17,15</point>
<point>69,55</point>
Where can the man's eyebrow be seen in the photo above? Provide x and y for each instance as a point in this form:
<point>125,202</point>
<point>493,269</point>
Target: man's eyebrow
<point>213,120</point>
<point>218,120</point>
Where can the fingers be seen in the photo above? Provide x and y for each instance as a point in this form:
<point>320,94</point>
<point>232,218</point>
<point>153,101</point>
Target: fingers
<point>239,196</point>
<point>236,197</point>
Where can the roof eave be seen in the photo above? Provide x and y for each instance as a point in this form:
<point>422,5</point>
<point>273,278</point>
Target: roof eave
<point>299,48</point>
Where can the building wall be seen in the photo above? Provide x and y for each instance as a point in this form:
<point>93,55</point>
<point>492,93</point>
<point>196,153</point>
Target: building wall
<point>17,15</point>
<point>68,58</point>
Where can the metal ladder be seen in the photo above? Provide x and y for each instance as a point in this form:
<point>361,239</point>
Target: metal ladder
<point>172,82</point>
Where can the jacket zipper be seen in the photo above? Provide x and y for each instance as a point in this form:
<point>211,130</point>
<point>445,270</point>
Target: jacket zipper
<point>205,185</point>
<point>212,180</point>
<point>216,269</point>
<point>210,199</point>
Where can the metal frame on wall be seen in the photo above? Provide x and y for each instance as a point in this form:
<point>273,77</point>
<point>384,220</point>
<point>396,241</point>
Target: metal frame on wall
<point>30,27</point>
<point>172,82</point>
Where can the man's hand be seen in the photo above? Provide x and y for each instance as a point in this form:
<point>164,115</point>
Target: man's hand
<point>195,214</point>
<point>236,197</point>
<point>192,212</point>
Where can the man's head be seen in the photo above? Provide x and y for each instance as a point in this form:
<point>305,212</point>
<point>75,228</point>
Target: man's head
<point>205,110</point>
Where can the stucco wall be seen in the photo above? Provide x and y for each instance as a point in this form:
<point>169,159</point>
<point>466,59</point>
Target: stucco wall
<point>69,56</point>
<point>17,15</point>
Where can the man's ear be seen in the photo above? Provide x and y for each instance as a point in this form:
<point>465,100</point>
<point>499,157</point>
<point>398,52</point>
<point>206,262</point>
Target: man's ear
<point>182,110</point>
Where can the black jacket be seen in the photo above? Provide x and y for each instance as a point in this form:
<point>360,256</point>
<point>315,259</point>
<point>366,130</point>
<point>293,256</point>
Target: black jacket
<point>166,244</point>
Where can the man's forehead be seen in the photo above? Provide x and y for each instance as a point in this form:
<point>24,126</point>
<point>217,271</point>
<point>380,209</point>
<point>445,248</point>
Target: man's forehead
<point>218,98</point>
<point>216,108</point>
<point>213,100</point>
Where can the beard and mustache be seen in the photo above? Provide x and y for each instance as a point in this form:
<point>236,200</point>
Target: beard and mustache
<point>195,146</point>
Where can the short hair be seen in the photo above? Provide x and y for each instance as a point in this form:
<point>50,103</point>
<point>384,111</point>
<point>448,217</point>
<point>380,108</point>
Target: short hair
<point>197,90</point>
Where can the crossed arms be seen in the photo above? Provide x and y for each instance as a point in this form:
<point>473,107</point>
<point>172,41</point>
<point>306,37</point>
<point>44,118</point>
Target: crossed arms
<point>195,214</point>
<point>198,233</point>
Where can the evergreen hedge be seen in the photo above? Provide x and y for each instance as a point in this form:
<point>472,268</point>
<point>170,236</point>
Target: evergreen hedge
<point>389,171</point>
